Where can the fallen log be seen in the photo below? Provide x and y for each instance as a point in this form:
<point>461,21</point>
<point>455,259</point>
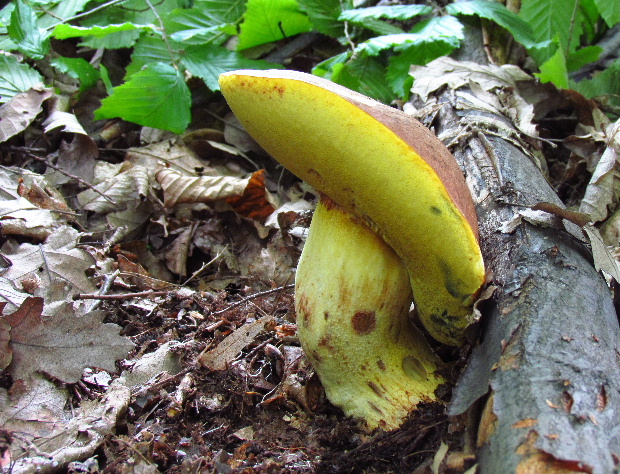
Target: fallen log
<point>545,373</point>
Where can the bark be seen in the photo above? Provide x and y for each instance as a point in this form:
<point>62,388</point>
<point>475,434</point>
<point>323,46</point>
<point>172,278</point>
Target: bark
<point>546,367</point>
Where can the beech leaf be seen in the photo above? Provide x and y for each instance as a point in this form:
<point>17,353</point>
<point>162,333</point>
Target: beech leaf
<point>63,345</point>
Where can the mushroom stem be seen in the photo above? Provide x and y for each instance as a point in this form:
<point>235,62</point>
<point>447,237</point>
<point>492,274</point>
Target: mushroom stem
<point>352,298</point>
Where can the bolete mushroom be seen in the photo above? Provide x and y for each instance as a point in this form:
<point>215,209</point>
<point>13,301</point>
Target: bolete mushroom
<point>395,214</point>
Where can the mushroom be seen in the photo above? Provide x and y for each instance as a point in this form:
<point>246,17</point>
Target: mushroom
<point>395,214</point>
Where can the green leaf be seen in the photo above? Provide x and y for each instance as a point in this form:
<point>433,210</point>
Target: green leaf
<point>70,31</point>
<point>148,50</point>
<point>397,12</point>
<point>446,29</point>
<point>116,40</point>
<point>583,56</point>
<point>324,15</point>
<point>398,69</point>
<point>271,20</point>
<point>553,18</point>
<point>444,26</point>
<point>105,78</point>
<point>610,11</point>
<point>328,67</point>
<point>380,27</point>
<point>498,13</point>
<point>198,35</point>
<point>221,11</point>
<point>78,68</point>
<point>602,83</point>
<point>25,32</point>
<point>155,97</point>
<point>15,77</point>
<point>366,74</point>
<point>554,70</point>
<point>197,25</point>
<point>209,61</point>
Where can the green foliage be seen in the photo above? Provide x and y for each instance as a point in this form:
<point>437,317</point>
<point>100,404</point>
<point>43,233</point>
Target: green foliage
<point>15,77</point>
<point>324,15</point>
<point>177,39</point>
<point>157,96</point>
<point>80,69</point>
<point>396,12</point>
<point>209,61</point>
<point>266,21</point>
<point>564,31</point>
<point>25,33</point>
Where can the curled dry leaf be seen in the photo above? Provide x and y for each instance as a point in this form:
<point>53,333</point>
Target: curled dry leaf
<point>21,217</point>
<point>126,190</point>
<point>603,192</point>
<point>247,196</point>
<point>66,120</point>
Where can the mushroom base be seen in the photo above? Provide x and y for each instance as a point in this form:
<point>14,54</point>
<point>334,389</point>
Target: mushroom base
<point>352,299</point>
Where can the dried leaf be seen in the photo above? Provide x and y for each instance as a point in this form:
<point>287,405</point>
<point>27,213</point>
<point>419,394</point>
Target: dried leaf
<point>68,121</point>
<point>76,157</point>
<point>36,409</point>
<point>10,296</point>
<point>126,189</point>
<point>221,356</point>
<point>253,203</point>
<point>64,345</point>
<point>20,111</point>
<point>603,259</point>
<point>456,74</point>
<point>174,155</point>
<point>5,351</point>
<point>179,189</point>
<point>66,438</point>
<point>57,258</point>
<point>21,217</point>
<point>602,191</point>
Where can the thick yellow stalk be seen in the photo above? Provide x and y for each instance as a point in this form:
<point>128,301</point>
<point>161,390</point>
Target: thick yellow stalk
<point>352,298</point>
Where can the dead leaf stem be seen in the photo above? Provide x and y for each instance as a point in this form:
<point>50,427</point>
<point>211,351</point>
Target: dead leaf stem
<point>141,294</point>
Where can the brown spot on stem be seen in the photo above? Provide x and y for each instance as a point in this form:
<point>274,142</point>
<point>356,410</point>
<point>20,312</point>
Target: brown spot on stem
<point>326,342</point>
<point>364,322</point>
<point>381,365</point>
<point>375,388</point>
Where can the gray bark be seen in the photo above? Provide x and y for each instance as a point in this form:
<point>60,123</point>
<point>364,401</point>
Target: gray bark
<point>547,364</point>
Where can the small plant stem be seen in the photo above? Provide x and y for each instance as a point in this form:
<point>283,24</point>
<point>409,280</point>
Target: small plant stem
<point>572,27</point>
<point>163,34</point>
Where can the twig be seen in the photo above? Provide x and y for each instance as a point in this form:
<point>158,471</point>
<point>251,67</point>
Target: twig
<point>201,269</point>
<point>68,175</point>
<point>107,284</point>
<point>251,297</point>
<point>164,36</point>
<point>81,296</point>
